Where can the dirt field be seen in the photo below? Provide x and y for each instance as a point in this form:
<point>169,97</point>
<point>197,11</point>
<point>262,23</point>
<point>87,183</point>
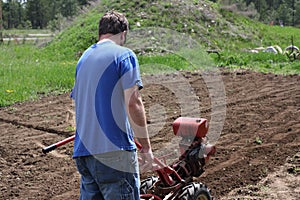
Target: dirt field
<point>258,153</point>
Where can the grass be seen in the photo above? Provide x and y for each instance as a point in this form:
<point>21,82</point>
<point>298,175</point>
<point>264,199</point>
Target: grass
<point>261,62</point>
<point>27,72</point>
<point>156,64</point>
<point>25,31</point>
<point>25,75</point>
<point>28,36</point>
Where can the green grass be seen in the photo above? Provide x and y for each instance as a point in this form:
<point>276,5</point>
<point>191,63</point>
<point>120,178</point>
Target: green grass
<point>25,31</point>
<point>24,75</point>
<point>26,71</point>
<point>184,59</point>
<point>156,64</point>
<point>260,62</point>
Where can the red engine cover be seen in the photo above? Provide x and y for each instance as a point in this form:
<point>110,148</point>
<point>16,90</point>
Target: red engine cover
<point>189,127</point>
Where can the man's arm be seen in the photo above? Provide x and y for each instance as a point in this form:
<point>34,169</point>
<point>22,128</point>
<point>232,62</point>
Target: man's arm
<point>136,113</point>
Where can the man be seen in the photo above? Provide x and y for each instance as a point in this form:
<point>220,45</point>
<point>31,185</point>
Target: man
<point>109,112</point>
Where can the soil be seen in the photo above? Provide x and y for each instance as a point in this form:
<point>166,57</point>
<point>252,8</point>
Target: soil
<point>258,151</point>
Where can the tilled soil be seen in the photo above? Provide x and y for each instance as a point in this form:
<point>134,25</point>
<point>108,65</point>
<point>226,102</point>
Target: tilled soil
<point>257,151</point>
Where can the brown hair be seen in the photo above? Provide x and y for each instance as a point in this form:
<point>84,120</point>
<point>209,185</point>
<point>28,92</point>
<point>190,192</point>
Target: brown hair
<point>112,22</point>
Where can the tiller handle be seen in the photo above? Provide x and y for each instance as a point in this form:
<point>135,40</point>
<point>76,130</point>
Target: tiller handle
<point>57,144</point>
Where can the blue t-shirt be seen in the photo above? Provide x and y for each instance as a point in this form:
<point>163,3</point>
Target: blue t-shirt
<point>103,72</point>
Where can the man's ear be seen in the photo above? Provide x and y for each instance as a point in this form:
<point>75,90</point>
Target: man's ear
<point>123,35</point>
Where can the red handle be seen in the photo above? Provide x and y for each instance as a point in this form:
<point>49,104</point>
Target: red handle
<point>60,143</point>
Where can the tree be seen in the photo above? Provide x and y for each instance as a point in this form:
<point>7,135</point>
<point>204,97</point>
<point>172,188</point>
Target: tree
<point>69,8</point>
<point>83,2</point>
<point>1,23</point>
<point>297,13</point>
<point>13,14</point>
<point>286,11</point>
<point>262,9</point>
<point>41,12</point>
<point>37,12</point>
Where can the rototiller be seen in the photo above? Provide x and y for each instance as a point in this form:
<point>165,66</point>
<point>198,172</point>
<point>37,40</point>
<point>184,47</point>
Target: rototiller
<point>175,181</point>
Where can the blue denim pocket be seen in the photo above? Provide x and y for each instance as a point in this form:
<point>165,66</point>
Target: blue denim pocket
<point>127,191</point>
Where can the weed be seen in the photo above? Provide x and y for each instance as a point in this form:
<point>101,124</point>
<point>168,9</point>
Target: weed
<point>70,128</point>
<point>258,140</point>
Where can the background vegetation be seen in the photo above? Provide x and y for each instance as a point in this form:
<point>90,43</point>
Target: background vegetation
<point>28,71</point>
<point>276,12</point>
<point>43,14</point>
<point>38,14</point>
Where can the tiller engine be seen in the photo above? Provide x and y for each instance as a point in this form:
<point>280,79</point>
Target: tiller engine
<point>175,181</point>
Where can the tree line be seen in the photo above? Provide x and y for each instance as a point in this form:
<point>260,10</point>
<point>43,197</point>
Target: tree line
<point>38,14</point>
<point>274,12</point>
<point>41,14</point>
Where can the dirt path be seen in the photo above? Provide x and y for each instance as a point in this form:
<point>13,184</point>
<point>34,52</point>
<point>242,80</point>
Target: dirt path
<point>257,154</point>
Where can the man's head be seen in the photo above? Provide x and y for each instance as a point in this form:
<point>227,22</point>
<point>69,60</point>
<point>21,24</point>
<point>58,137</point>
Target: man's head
<point>113,23</point>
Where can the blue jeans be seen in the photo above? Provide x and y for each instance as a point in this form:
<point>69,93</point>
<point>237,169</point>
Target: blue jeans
<point>109,176</point>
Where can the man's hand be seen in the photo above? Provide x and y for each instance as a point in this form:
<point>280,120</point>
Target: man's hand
<point>147,161</point>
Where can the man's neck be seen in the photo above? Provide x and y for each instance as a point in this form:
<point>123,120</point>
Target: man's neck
<point>111,37</point>
<point>104,40</point>
<point>106,36</point>
<point>115,38</point>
